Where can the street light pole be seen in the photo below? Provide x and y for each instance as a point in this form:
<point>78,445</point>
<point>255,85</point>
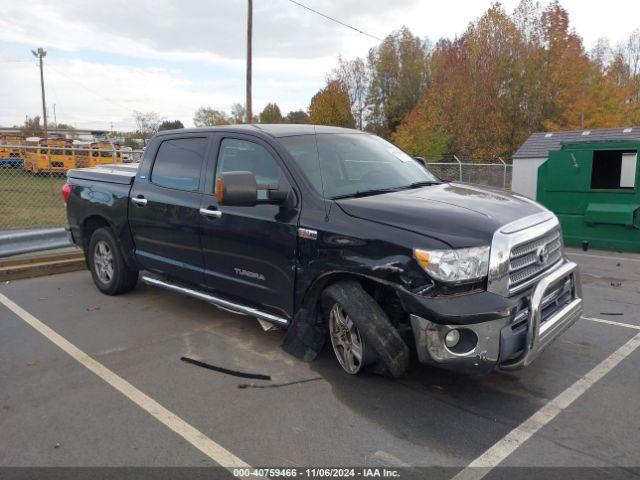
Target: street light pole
<point>249,40</point>
<point>41,53</point>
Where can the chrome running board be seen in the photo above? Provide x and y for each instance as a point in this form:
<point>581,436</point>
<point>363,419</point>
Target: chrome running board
<point>218,302</point>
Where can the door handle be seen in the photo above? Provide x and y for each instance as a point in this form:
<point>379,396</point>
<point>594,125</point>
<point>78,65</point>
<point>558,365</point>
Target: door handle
<point>139,201</point>
<point>210,213</point>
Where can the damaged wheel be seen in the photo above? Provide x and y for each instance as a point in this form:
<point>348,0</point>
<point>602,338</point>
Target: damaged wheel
<point>360,331</point>
<point>346,340</point>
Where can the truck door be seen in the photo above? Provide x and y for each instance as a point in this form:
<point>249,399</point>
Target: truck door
<point>164,209</point>
<point>249,252</point>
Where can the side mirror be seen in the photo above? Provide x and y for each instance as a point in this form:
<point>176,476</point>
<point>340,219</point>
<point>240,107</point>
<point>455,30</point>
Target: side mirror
<point>238,189</point>
<point>421,160</point>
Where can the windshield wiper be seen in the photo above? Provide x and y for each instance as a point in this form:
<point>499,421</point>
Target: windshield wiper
<point>422,184</point>
<point>366,193</point>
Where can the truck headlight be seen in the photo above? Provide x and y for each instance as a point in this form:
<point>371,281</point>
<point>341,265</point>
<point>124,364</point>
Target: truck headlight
<point>454,265</point>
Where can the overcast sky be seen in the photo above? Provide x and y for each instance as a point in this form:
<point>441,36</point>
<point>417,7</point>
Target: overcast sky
<point>106,59</point>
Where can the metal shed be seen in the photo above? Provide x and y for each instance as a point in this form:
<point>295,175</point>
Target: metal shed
<point>535,151</point>
<point>593,189</point>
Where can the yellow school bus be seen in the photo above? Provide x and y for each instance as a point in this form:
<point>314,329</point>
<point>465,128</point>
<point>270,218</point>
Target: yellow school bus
<point>103,153</point>
<point>11,149</point>
<point>49,155</point>
<point>82,154</point>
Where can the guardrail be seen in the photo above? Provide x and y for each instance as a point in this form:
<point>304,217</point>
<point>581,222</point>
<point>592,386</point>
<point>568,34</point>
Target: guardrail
<point>19,242</point>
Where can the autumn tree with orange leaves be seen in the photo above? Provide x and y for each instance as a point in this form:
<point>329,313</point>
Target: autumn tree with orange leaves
<point>482,94</point>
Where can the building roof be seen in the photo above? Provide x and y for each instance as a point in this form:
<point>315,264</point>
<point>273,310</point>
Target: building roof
<point>539,144</point>
<point>275,130</point>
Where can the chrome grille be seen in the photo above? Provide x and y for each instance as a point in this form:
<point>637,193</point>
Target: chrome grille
<point>528,260</point>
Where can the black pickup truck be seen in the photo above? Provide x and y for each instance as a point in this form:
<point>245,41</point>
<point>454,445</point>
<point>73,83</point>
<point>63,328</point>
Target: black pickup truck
<point>332,234</point>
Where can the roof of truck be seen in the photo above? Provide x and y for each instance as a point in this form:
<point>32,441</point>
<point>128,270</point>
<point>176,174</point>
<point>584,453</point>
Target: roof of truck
<point>274,130</point>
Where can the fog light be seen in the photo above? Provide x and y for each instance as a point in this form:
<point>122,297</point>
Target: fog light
<point>452,338</point>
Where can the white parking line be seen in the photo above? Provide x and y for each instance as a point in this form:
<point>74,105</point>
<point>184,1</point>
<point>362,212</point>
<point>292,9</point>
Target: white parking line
<point>611,322</point>
<point>482,465</point>
<point>195,437</point>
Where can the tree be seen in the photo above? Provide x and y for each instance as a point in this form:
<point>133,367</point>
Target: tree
<point>330,106</point>
<point>399,71</point>
<point>271,114</point>
<point>238,113</point>
<point>354,76</point>
<point>170,125</point>
<point>32,127</point>
<point>298,116</point>
<point>147,123</point>
<point>209,117</point>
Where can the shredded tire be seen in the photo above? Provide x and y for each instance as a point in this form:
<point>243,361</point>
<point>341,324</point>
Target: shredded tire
<point>391,352</point>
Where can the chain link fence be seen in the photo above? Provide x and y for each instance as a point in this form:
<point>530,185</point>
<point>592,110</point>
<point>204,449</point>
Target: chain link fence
<point>31,180</point>
<point>485,172</point>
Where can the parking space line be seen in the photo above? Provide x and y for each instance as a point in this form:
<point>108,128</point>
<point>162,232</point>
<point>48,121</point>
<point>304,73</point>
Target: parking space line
<point>195,437</point>
<point>482,465</point>
<point>611,322</point>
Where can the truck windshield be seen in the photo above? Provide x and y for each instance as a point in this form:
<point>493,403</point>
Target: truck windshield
<point>343,165</point>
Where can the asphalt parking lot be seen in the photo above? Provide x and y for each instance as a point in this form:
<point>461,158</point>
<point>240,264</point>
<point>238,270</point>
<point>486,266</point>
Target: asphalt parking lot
<point>575,406</point>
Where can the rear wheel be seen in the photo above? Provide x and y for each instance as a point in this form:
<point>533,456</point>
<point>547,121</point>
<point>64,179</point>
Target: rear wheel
<point>361,333</point>
<point>110,273</point>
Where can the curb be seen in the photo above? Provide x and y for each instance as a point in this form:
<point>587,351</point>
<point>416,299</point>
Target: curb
<point>44,263</point>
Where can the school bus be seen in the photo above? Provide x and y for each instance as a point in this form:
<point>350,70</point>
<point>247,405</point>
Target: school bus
<point>82,154</point>
<point>48,155</point>
<point>12,152</point>
<point>103,153</point>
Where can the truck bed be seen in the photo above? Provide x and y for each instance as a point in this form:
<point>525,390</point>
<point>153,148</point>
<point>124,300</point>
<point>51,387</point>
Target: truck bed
<point>118,173</point>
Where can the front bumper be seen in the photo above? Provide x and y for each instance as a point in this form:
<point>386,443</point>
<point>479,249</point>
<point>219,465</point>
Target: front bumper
<point>509,342</point>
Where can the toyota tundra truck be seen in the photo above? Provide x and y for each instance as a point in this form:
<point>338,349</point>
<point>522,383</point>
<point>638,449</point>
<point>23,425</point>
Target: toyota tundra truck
<point>337,236</point>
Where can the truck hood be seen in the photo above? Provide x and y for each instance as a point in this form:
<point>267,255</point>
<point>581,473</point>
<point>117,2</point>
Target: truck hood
<point>458,214</point>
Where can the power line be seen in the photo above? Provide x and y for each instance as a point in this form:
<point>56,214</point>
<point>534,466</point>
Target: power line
<point>336,21</point>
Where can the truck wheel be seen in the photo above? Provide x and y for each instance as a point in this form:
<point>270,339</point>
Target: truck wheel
<point>110,273</point>
<point>360,331</point>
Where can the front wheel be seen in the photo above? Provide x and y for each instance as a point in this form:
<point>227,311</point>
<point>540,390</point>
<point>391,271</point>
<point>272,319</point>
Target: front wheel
<point>110,273</point>
<point>346,340</point>
<point>361,333</point>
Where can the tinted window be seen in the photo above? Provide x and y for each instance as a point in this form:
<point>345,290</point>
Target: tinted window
<point>179,162</point>
<point>347,164</point>
<point>244,156</point>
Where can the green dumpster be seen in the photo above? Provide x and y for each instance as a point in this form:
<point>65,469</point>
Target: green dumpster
<point>593,189</point>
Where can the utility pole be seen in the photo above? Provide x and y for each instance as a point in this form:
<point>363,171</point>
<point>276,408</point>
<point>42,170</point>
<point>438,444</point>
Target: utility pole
<point>55,118</point>
<point>41,53</point>
<point>249,35</point>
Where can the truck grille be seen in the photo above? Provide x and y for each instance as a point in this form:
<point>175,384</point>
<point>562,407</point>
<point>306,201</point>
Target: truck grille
<point>528,260</point>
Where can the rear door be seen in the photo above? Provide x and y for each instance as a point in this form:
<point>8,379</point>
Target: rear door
<point>164,209</point>
<point>249,252</point>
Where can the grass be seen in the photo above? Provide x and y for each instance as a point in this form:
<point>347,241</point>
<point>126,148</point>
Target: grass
<point>30,201</point>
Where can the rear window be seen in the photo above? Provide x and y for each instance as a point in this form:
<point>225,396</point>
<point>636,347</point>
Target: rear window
<point>178,163</point>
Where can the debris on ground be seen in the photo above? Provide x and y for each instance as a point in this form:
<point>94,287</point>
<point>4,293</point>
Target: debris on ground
<point>235,373</point>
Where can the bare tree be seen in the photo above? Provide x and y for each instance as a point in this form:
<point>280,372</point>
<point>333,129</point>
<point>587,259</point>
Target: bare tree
<point>354,77</point>
<point>147,123</point>
<point>238,113</point>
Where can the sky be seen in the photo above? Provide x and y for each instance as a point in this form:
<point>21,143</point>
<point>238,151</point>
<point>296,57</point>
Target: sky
<point>106,59</point>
